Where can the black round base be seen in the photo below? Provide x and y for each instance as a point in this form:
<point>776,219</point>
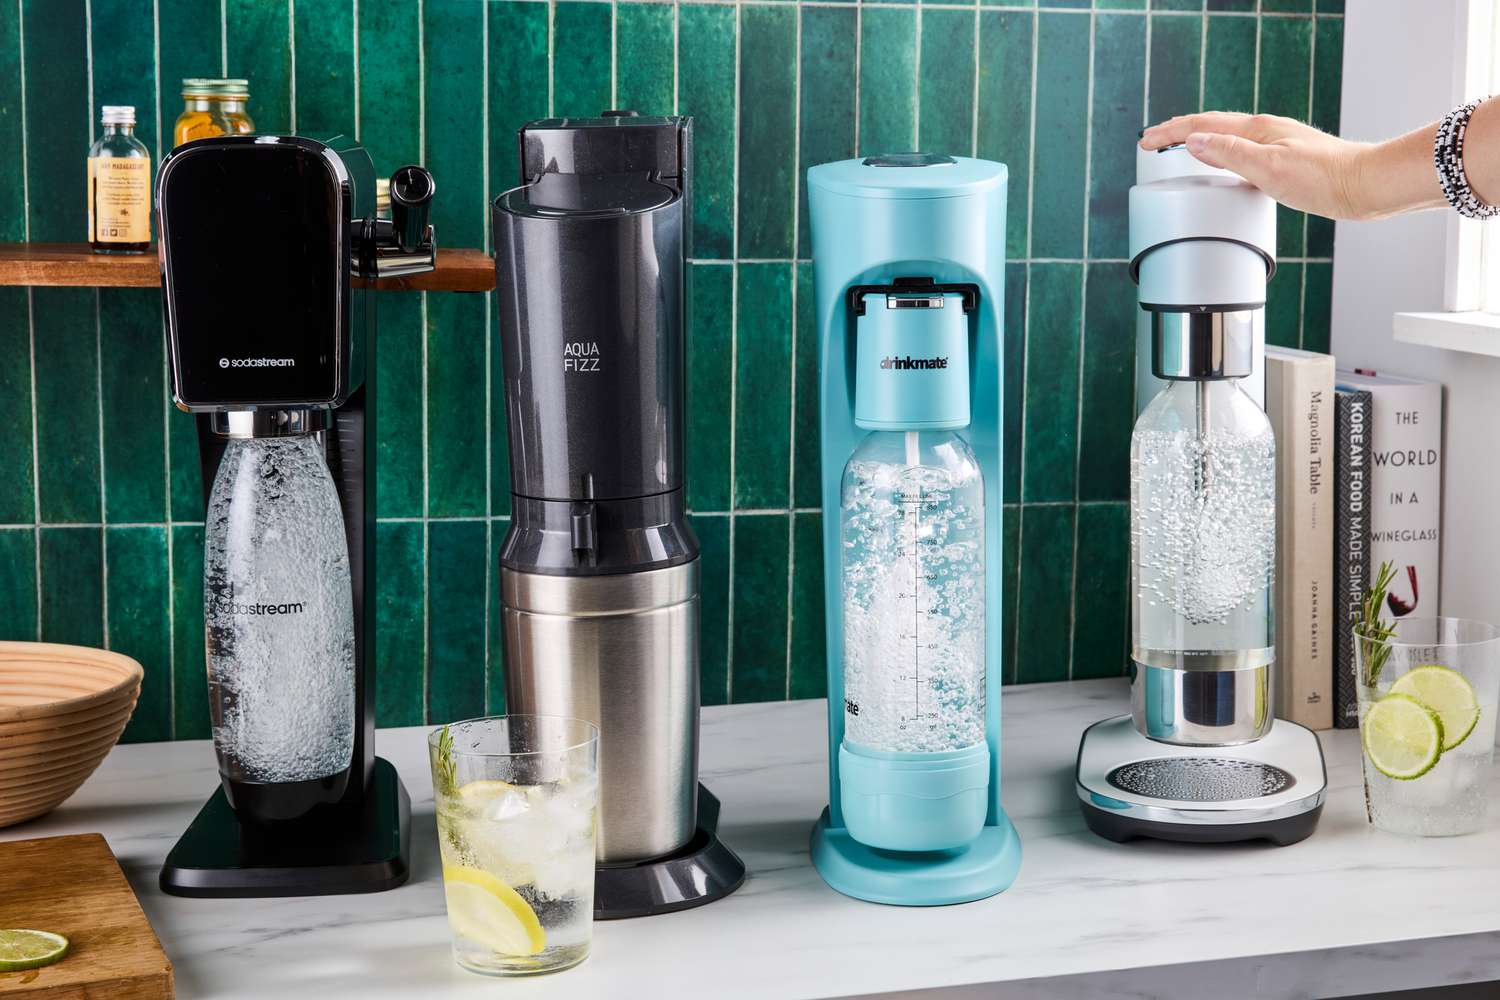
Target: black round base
<point>701,871</point>
<point>1281,832</point>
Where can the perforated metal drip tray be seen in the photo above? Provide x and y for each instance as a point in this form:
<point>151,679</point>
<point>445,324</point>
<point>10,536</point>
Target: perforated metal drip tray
<point>1200,779</point>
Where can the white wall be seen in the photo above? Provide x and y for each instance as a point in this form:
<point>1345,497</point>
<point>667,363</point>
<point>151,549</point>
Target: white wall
<point>1398,74</point>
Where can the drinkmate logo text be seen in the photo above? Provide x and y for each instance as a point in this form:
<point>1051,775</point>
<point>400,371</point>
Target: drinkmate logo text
<point>225,606</point>
<point>257,362</point>
<point>910,363</point>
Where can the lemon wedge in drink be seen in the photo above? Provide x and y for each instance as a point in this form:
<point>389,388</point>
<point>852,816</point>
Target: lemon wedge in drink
<point>1403,737</point>
<point>1448,693</point>
<point>485,910</point>
<point>21,949</point>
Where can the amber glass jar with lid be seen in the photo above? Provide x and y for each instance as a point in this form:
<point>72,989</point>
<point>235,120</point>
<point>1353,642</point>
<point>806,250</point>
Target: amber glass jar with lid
<point>212,107</point>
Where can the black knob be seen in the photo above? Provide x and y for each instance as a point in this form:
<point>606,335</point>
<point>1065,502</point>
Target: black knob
<point>411,203</point>
<point>619,113</point>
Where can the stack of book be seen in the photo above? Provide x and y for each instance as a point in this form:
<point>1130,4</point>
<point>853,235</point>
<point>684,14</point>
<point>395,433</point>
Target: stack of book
<point>1359,480</point>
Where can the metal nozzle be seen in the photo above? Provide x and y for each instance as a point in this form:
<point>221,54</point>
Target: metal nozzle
<point>269,423</point>
<point>1202,345</point>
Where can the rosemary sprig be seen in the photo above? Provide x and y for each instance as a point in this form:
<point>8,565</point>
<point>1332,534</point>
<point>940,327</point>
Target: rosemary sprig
<point>447,769</point>
<point>1372,629</point>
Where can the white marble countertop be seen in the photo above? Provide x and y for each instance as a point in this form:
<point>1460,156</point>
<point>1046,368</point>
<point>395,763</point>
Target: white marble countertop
<point>1349,910</point>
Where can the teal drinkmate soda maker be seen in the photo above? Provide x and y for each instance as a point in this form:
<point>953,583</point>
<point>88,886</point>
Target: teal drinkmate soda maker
<point>908,266</point>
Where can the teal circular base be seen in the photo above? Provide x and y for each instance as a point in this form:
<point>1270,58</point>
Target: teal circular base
<point>985,867</point>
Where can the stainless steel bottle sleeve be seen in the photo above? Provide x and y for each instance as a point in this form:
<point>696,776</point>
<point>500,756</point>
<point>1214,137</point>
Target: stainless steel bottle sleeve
<point>621,651</point>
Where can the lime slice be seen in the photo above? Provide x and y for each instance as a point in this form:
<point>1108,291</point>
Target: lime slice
<point>1403,737</point>
<point>484,909</point>
<point>30,949</point>
<point>1448,693</point>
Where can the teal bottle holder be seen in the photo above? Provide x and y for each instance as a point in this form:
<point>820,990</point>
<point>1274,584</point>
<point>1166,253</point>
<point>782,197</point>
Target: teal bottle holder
<point>914,801</point>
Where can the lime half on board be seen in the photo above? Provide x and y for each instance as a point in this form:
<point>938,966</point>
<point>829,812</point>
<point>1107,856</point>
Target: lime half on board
<point>1403,737</point>
<point>22,949</point>
<point>1448,693</point>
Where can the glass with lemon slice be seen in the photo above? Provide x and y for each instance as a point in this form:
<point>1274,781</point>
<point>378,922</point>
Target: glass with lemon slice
<point>1427,704</point>
<point>517,802</point>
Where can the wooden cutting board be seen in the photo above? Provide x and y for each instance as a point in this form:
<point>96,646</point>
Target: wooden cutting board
<point>73,886</point>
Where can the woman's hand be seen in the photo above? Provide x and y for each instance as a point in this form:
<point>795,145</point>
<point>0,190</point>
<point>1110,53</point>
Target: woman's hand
<point>1300,166</point>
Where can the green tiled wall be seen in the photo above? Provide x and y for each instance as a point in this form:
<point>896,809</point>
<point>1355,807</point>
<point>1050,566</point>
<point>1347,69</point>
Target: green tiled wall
<point>100,518</point>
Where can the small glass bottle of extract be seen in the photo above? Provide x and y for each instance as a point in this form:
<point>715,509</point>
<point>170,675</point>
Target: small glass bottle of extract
<point>119,180</point>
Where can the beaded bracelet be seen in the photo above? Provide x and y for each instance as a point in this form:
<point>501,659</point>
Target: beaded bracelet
<point>1448,155</point>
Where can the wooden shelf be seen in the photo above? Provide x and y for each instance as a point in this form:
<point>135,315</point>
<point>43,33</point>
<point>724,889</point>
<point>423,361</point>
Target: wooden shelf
<point>461,269</point>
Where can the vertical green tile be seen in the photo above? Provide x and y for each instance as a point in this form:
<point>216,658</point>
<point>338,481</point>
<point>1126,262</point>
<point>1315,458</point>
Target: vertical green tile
<point>190,717</point>
<point>1101,635</point>
<point>1317,308</point>
<point>762,386</point>
<point>398,405</point>
<point>139,598</point>
<point>453,37</point>
<point>1176,4</point>
<point>18,585</point>
<point>67,399</point>
<point>133,373</point>
<point>400,631</point>
<point>1287,6</point>
<point>257,46</point>
<point>827,105</point>
<point>887,80</point>
<point>768,135</point>
<point>456,333</point>
<point>1062,98</point>
<point>494,669</point>
<point>1013,382</point>
<point>1330,6</point>
<point>184,472</point>
<point>713,608</point>
<point>325,67</point>
<point>57,94</point>
<point>1120,4</point>
<point>17,491</point>
<point>1067,4</point>
<point>1044,614</point>
<point>1108,384</point>
<point>390,106</point>
<point>1234,5</point>
<point>13,195</point>
<point>1005,68</point>
<point>807,464</point>
<point>1229,69</point>
<point>1176,50</point>
<point>760,608</point>
<point>710,380</point>
<point>1284,306</point>
<point>705,90</point>
<point>72,561</point>
<point>644,57</point>
<point>1010,580</point>
<point>190,44</point>
<point>518,60</point>
<point>581,64</point>
<point>124,67</point>
<point>457,558</point>
<point>1119,77</point>
<point>1328,50</point>
<point>809,663</point>
<point>1052,350</point>
<point>946,91</point>
<point>1285,75</point>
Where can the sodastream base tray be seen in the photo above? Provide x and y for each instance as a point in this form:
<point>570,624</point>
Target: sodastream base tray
<point>701,871</point>
<point>988,865</point>
<point>360,849</point>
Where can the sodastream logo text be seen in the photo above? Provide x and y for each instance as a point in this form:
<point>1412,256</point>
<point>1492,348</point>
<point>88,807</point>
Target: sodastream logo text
<point>227,606</point>
<point>257,362</point>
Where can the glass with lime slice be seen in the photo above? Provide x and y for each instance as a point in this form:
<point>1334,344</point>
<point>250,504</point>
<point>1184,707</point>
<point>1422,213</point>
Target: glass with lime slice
<point>1427,723</point>
<point>517,798</point>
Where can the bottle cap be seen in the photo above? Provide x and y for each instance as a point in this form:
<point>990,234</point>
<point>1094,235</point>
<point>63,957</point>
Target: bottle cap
<point>205,87</point>
<point>117,114</point>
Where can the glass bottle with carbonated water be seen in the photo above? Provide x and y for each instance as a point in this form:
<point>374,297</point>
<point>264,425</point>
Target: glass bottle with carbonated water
<point>912,516</point>
<point>1203,526</point>
<point>280,617</point>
